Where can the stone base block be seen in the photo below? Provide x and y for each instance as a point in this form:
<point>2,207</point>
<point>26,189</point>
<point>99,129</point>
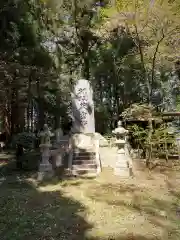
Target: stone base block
<point>121,164</point>
<point>83,141</point>
<point>45,171</point>
<point>45,167</point>
<point>45,175</point>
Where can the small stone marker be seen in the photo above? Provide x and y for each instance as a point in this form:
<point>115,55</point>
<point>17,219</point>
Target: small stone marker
<point>58,134</point>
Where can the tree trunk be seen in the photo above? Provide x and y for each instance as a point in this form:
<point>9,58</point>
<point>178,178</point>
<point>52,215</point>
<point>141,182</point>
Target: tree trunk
<point>57,113</point>
<point>31,116</point>
<point>41,116</point>
<point>29,100</point>
<point>86,66</point>
<point>149,142</point>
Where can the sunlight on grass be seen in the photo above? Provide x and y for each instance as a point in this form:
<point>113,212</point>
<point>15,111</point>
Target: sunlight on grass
<point>3,163</point>
<point>59,184</point>
<point>103,208</point>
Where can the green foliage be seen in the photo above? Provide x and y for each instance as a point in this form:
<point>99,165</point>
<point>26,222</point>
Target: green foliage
<point>163,144</point>
<point>154,28</point>
<point>30,160</point>
<point>27,140</point>
<point>138,111</point>
<point>141,112</point>
<point>122,49</point>
<point>178,103</point>
<point>139,133</point>
<point>160,134</point>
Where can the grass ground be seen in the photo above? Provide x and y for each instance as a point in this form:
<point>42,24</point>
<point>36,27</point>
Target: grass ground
<point>144,208</point>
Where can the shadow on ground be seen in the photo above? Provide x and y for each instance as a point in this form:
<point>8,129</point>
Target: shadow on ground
<point>9,170</point>
<point>31,214</point>
<point>27,213</point>
<point>127,237</point>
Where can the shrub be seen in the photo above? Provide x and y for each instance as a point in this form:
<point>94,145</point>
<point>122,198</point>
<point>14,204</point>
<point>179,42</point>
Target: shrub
<point>27,140</point>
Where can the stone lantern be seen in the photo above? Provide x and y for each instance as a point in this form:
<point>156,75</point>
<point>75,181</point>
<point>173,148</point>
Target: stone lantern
<point>122,166</point>
<point>45,165</point>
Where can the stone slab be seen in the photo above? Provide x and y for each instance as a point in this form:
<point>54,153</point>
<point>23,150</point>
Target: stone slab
<point>81,141</point>
<point>83,108</point>
<point>45,167</point>
<point>45,175</point>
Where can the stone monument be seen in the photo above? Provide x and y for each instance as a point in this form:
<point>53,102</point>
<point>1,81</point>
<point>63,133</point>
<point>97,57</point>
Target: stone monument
<point>45,145</point>
<point>84,157</point>
<point>83,108</point>
<point>123,165</point>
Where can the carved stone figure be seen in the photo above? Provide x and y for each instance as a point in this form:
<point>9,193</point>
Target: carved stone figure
<point>45,135</point>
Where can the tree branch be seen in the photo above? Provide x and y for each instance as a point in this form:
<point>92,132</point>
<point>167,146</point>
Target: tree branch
<point>154,59</point>
<point>142,62</point>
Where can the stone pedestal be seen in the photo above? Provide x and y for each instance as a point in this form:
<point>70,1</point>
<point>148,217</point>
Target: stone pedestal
<point>57,157</point>
<point>84,159</point>
<point>121,167</point>
<point>45,167</point>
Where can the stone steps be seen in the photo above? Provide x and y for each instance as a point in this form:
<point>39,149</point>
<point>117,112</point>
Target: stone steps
<point>84,172</point>
<point>84,164</point>
<point>83,161</point>
<point>85,157</point>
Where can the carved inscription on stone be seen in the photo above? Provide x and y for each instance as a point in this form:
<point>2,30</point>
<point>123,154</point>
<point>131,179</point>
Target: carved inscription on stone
<point>83,103</point>
<point>83,108</point>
